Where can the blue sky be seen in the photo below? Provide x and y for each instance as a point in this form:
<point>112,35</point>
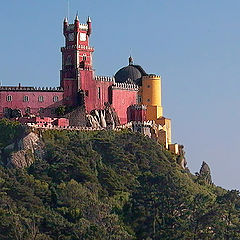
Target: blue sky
<point>194,45</point>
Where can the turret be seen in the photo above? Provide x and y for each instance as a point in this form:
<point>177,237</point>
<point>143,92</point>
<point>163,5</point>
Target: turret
<point>65,25</point>
<point>152,96</point>
<point>89,23</point>
<point>76,22</point>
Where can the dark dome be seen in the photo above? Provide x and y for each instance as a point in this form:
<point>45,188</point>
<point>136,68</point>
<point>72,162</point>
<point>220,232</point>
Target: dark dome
<point>131,73</point>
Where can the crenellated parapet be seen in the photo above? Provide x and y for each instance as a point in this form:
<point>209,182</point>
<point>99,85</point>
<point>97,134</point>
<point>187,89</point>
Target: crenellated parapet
<point>69,128</point>
<point>105,79</point>
<point>125,86</point>
<point>150,76</point>
<point>78,47</point>
<point>31,89</point>
<point>139,107</point>
<point>82,26</point>
<point>49,89</point>
<point>144,123</point>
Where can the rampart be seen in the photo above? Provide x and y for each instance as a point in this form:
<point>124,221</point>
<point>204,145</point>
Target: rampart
<point>125,86</point>
<point>31,89</point>
<point>105,79</point>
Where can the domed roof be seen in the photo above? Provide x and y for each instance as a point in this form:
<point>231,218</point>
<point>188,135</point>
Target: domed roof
<point>130,74</point>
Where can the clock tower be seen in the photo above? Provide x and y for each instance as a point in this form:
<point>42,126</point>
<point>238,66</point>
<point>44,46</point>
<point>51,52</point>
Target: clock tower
<point>77,72</point>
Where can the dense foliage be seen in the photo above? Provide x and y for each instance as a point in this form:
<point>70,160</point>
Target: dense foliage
<point>9,132</point>
<point>111,185</point>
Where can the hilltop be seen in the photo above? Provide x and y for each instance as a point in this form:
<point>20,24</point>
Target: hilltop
<point>106,185</point>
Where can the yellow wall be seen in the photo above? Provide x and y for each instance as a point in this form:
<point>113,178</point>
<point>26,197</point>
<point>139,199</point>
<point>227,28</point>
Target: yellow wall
<point>152,96</point>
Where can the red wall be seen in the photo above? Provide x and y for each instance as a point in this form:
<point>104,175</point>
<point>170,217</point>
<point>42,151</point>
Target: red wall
<point>33,103</point>
<point>70,92</point>
<point>90,85</point>
<point>104,93</point>
<point>136,114</point>
<point>121,100</point>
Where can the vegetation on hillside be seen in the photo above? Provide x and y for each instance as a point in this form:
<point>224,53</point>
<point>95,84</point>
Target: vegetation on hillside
<point>112,186</point>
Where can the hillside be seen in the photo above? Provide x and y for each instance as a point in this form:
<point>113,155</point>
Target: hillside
<point>108,185</point>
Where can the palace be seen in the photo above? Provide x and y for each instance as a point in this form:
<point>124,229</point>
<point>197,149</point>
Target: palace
<point>132,94</point>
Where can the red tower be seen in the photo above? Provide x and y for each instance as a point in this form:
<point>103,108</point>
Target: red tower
<point>77,72</point>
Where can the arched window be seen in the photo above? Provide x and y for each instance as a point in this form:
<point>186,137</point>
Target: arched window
<point>40,98</point>
<point>55,98</point>
<point>82,64</point>
<point>25,98</point>
<point>99,93</point>
<point>9,98</point>
<point>139,99</point>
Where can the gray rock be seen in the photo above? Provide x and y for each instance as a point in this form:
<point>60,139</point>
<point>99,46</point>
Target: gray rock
<point>205,173</point>
<point>26,150</point>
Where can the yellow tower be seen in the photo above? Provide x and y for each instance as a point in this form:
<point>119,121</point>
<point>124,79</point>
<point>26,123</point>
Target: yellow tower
<point>151,96</point>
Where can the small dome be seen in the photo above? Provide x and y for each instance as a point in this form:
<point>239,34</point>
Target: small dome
<point>130,74</point>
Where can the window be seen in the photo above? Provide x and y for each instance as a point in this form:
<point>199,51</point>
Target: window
<point>40,98</point>
<point>99,93</point>
<point>28,110</point>
<point>55,98</point>
<point>9,98</point>
<point>82,64</point>
<point>148,100</point>
<point>139,99</point>
<point>86,93</point>
<point>25,98</point>
<point>84,57</point>
<point>148,86</point>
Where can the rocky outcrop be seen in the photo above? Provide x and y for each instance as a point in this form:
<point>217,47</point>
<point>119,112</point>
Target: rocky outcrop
<point>182,161</point>
<point>25,151</point>
<point>105,118</point>
<point>77,117</point>
<point>205,173</point>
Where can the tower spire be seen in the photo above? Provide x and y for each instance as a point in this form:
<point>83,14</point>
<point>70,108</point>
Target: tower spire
<point>130,60</point>
<point>77,19</point>
<point>89,20</point>
<point>89,23</point>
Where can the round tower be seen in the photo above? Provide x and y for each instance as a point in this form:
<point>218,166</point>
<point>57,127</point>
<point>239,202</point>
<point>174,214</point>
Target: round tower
<point>152,96</point>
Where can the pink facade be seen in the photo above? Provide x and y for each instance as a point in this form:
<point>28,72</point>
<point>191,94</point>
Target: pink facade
<point>136,113</point>
<point>78,84</point>
<point>77,75</point>
<point>121,100</point>
<point>29,100</point>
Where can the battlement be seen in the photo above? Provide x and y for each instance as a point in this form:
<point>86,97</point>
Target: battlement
<point>139,107</point>
<point>105,79</point>
<point>69,128</point>
<point>70,27</point>
<point>152,76</point>
<point>31,89</point>
<point>125,86</point>
<point>74,46</point>
<point>82,26</point>
<point>143,124</point>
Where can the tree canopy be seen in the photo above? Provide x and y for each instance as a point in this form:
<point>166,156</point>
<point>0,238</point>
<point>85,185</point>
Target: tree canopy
<point>111,185</point>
